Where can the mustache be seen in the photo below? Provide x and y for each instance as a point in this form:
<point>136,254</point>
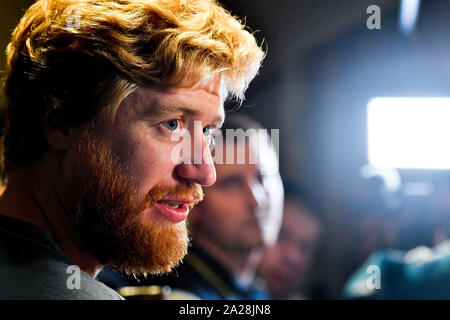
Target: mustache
<point>180,191</point>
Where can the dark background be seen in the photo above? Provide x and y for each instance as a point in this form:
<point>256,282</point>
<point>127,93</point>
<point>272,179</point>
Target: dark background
<point>322,67</point>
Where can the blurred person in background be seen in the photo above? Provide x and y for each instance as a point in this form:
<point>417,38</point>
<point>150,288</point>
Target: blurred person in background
<point>392,270</point>
<point>285,265</point>
<point>421,273</point>
<point>239,215</point>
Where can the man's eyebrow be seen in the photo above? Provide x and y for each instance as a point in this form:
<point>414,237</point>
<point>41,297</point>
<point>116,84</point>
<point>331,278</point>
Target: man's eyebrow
<point>218,122</point>
<point>161,111</point>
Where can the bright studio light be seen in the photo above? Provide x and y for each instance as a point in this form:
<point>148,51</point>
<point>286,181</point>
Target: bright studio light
<point>409,12</point>
<point>409,133</point>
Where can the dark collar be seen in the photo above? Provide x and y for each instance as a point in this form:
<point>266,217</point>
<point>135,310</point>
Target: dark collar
<point>213,272</point>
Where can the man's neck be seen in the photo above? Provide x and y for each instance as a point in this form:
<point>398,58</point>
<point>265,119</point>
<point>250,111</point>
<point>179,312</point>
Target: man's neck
<point>33,194</point>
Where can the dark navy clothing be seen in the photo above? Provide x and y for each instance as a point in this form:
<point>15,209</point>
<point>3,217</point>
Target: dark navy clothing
<point>199,274</point>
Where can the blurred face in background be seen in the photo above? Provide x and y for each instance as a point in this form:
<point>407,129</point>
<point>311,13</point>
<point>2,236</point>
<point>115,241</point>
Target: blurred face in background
<point>230,213</point>
<point>284,265</point>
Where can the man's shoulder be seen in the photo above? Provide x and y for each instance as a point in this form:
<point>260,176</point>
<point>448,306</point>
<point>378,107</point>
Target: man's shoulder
<point>33,267</point>
<point>51,279</point>
<point>91,289</point>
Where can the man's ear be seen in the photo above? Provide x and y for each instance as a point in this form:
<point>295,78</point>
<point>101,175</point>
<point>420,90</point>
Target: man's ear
<point>57,135</point>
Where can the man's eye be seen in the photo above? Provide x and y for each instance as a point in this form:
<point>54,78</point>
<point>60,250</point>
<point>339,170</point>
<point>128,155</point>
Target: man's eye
<point>171,125</point>
<point>207,131</point>
<point>210,135</point>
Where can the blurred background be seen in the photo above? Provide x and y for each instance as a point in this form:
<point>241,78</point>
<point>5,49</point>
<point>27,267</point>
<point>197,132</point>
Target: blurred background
<point>322,68</point>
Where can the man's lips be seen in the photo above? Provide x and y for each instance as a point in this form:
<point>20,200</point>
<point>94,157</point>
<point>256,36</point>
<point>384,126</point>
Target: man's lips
<point>175,210</point>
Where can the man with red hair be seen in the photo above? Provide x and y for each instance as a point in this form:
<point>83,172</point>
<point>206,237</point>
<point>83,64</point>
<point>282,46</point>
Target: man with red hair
<point>96,93</point>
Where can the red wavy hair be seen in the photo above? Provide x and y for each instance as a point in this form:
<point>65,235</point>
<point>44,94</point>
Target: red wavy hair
<point>69,60</point>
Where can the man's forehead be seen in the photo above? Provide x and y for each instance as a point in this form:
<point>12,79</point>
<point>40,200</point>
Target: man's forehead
<point>213,84</point>
<point>204,98</point>
<point>210,84</point>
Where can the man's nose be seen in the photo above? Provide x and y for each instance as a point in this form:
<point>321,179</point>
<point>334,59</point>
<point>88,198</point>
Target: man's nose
<point>199,166</point>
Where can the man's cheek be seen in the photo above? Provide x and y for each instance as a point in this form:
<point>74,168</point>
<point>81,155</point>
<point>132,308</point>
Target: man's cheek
<point>177,152</point>
<point>143,164</point>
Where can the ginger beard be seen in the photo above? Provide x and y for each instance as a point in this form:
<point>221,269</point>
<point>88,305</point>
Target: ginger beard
<point>116,224</point>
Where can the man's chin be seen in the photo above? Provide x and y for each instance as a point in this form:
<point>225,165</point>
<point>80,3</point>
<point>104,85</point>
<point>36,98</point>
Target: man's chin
<point>160,248</point>
<point>144,246</point>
